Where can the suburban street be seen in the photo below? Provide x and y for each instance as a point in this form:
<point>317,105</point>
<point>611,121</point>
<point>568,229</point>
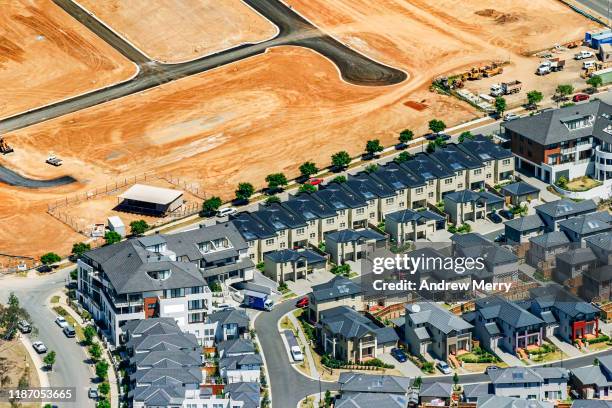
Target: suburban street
<point>70,370</point>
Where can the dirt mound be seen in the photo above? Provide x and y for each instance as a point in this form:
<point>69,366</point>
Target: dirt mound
<point>499,17</point>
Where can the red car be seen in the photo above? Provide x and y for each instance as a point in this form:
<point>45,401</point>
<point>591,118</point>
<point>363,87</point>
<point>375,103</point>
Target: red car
<point>314,181</point>
<point>580,97</point>
<point>302,303</point>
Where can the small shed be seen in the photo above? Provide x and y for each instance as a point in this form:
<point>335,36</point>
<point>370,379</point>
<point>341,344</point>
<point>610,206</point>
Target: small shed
<point>605,52</point>
<point>115,223</point>
<point>518,192</point>
<point>150,200</point>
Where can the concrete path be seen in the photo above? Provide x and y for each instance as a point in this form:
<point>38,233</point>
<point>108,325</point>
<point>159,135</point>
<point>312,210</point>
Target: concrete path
<point>311,363</point>
<point>43,377</point>
<point>509,359</point>
<point>566,348</point>
<point>545,195</point>
<point>408,368</point>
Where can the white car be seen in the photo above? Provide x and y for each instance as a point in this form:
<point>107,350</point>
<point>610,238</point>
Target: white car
<point>442,366</point>
<point>61,322</point>
<point>510,116</point>
<point>40,347</point>
<point>296,353</point>
<point>226,211</point>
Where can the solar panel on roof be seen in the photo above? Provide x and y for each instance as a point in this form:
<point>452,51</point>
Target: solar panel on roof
<point>309,215</point>
<point>455,166</point>
<point>367,194</point>
<point>337,204</point>
<point>485,156</point>
<point>397,185</point>
<point>427,175</point>
<point>343,289</point>
<point>278,224</point>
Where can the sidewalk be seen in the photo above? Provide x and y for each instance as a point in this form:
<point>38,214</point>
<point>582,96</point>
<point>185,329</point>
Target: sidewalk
<point>311,363</point>
<point>43,377</point>
<point>566,348</point>
<point>112,376</point>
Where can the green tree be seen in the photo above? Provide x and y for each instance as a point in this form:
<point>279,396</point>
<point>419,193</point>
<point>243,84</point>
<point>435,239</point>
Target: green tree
<point>455,379</point>
<point>11,314</point>
<point>373,146</point>
<point>562,182</point>
<point>565,89</point>
<point>272,200</point>
<point>431,147</point>
<point>417,382</point>
<point>276,181</point>
<point>500,105</point>
<point>49,359</point>
<point>534,97</point>
<point>307,188</point>
<point>328,398</point>
<point>138,227</point>
<point>402,157</point>
<point>50,258</point>
<point>112,237</point>
<point>372,168</point>
<point>595,81</point>
<point>466,135</point>
<point>341,159</point>
<point>436,125</point>
<point>339,179</point>
<point>104,403</point>
<point>102,369</point>
<point>104,388</point>
<point>89,333</point>
<point>95,352</point>
<point>244,191</point>
<point>308,169</point>
<point>211,205</point>
<point>406,135</point>
<point>79,248</point>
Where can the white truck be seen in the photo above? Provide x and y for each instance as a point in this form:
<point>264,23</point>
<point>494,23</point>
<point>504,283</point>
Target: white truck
<point>583,55</point>
<point>506,88</point>
<point>551,65</point>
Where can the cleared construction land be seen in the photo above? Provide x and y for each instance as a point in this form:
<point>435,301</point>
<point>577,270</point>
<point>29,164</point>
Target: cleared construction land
<point>175,31</point>
<point>274,111</point>
<point>46,55</point>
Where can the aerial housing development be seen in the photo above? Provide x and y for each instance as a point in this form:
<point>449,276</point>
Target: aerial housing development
<point>306,204</point>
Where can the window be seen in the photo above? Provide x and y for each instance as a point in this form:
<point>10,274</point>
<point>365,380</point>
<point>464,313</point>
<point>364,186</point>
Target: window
<point>196,317</point>
<point>341,212</point>
<point>176,293</point>
<point>460,186</point>
<point>460,173</point>
<point>159,275</point>
<point>505,162</point>
<point>477,171</point>
<point>282,233</point>
<point>489,175</point>
<point>431,194</point>
<point>448,181</point>
<point>196,304</point>
<point>343,225</point>
<point>282,245</point>
<point>389,200</point>
<point>251,244</point>
<point>269,241</point>
<point>300,231</point>
<point>312,235</point>
<point>402,204</point>
<point>372,215</point>
<point>431,182</point>
<point>330,221</point>
<point>419,190</point>
<point>360,211</point>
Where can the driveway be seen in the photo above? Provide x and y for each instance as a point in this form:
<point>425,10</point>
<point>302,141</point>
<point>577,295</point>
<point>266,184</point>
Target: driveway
<point>566,348</point>
<point>409,369</point>
<point>509,359</point>
<point>485,227</point>
<point>304,286</point>
<point>545,195</point>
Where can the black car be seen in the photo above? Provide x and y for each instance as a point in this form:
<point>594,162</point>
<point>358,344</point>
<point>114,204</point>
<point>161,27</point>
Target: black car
<point>401,146</point>
<point>500,238</point>
<point>507,214</point>
<point>494,217</point>
<point>399,355</point>
<point>431,136</point>
<point>44,269</point>
<point>531,106</point>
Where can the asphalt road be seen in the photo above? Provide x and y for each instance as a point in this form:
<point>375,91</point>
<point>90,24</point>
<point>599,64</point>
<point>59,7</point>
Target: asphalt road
<point>70,369</point>
<point>600,6</point>
<point>14,179</point>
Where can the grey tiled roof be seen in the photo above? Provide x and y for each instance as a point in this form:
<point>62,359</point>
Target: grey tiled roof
<point>455,158</point>
<point>463,196</point>
<point>339,198</point>
<point>230,316</point>
<point>437,317</point>
<point>183,375</point>
<point>308,207</point>
<point>358,382</point>
<point>186,243</point>
<point>159,395</point>
<point>404,216</point>
<point>337,287</point>
<point>436,389</point>
<point>428,168</point>
<point>237,362</point>
<point>277,218</point>
<point>519,188</point>
<point>603,241</point>
<point>527,223</point>
<point>350,235</point>
<point>496,307</point>
<point>349,323</point>
<point>591,375</point>
<point>247,392</point>
<point>155,325</point>
<point>519,375</point>
<point>369,400</point>
<point>397,177</point>
<point>556,297</point>
<point>588,223</point>
<point>235,346</point>
<point>174,341</point>
<point>566,207</point>
<point>291,255</point>
<point>493,401</point>
<point>167,359</point>
<point>367,187</point>
<point>577,256</point>
<point>251,228</point>
<point>591,404</point>
<point>550,239</point>
<point>601,274</point>
<point>476,390</point>
<point>483,148</point>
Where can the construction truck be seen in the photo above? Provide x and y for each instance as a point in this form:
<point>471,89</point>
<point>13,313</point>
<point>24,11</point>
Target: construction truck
<point>551,65</point>
<point>492,70</point>
<point>4,147</point>
<point>506,88</point>
<point>54,160</point>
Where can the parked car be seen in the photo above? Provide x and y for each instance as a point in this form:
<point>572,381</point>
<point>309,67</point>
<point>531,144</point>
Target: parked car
<point>314,181</point>
<point>24,326</point>
<point>510,116</point>
<point>530,106</point>
<point>223,306</point>
<point>580,97</point>
<point>302,303</point>
<point>399,355</point>
<point>507,214</point>
<point>223,212</point>
<point>93,393</point>
<point>491,367</point>
<point>61,322</point>
<point>494,218</point>
<point>296,353</point>
<point>442,366</point>
<point>401,146</point>
<point>40,347</point>
<point>69,331</point>
<point>44,269</point>
<point>431,136</point>
<point>500,238</point>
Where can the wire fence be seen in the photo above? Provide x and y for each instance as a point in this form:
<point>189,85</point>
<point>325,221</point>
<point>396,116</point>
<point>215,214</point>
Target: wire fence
<point>13,263</point>
<point>193,188</point>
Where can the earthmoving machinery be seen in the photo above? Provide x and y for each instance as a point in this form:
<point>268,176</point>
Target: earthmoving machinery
<point>4,147</point>
<point>492,70</point>
<point>54,160</point>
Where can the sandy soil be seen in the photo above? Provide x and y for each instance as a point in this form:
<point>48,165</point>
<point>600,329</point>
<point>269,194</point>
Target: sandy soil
<point>18,358</point>
<point>175,31</point>
<point>46,55</point>
<point>272,112</point>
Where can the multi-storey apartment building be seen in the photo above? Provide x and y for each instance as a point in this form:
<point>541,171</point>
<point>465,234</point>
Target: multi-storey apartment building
<point>351,208</point>
<point>440,178</point>
<point>470,171</point>
<point>492,155</point>
<point>321,216</point>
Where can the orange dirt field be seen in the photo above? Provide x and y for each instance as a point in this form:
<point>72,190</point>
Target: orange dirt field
<point>175,31</point>
<point>270,113</point>
<point>46,55</point>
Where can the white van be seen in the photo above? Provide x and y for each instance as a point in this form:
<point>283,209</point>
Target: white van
<point>588,64</point>
<point>226,211</point>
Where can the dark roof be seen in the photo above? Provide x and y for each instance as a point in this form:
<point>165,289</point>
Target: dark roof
<point>565,207</point>
<point>601,274</point>
<point>358,382</point>
<point>496,307</point>
<point>436,389</point>
<point>483,148</point>
<point>292,255</point>
<point>349,324</point>
<point>494,401</point>
<point>308,207</point>
<point>186,243</point>
<point>230,316</point>
<point>154,325</point>
<point>476,390</point>
<point>556,297</point>
<point>350,235</point>
<point>247,392</point>
<point>455,158</point>
<point>369,400</point>
<point>519,188</point>
<point>550,239</point>
<point>397,177</point>
<point>427,167</point>
<point>235,346</point>
<point>404,216</point>
<point>437,317</point>
<point>237,362</point>
<point>277,218</point>
<point>251,228</point>
<point>367,187</point>
<point>549,127</point>
<point>338,286</point>
<point>591,404</point>
<point>602,241</point>
<point>519,375</point>
<point>527,223</point>
<point>339,198</point>
<point>163,342</point>
<point>463,196</point>
<point>588,223</point>
<point>577,256</point>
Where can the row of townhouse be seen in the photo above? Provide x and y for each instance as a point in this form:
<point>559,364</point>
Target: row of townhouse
<point>164,368</point>
<point>368,198</point>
